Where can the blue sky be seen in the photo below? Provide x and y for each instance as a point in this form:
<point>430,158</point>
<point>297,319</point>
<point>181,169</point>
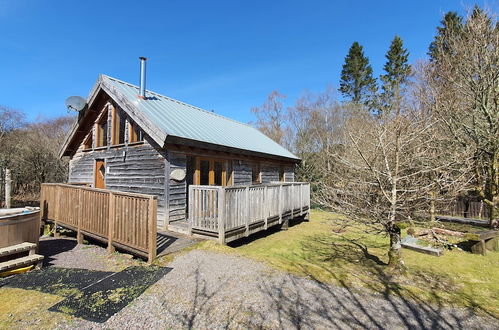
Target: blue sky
<point>221,55</point>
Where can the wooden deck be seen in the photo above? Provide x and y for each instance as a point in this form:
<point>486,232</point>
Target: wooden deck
<point>124,220</point>
<point>229,213</point>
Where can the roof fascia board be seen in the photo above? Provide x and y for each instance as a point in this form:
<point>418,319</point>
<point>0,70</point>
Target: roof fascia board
<point>90,100</point>
<point>145,124</point>
<point>210,146</point>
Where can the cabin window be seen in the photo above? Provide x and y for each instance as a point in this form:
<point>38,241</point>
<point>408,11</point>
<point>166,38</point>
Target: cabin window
<point>255,173</point>
<point>212,172</point>
<point>118,127</point>
<point>230,174</point>
<point>204,172</point>
<point>101,131</point>
<point>281,174</point>
<point>136,134</point>
<point>87,145</point>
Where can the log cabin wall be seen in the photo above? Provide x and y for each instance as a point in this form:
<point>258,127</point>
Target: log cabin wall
<point>176,190</point>
<point>241,172</point>
<point>289,174</point>
<point>137,167</point>
<point>269,173</point>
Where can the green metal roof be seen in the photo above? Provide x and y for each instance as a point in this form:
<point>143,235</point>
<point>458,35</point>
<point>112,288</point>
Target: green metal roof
<point>178,119</point>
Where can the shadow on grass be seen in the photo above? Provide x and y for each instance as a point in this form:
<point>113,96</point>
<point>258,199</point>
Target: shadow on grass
<point>265,233</point>
<point>284,301</point>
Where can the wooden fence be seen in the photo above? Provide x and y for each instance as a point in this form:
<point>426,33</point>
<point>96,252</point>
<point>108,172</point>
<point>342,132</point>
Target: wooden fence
<point>229,213</point>
<point>121,219</point>
<point>470,209</point>
<point>20,228</point>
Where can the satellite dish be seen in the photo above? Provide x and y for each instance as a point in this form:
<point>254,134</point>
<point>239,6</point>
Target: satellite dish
<point>75,103</point>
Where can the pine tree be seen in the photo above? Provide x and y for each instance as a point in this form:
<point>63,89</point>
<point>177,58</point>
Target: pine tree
<point>451,25</point>
<point>398,71</point>
<point>357,83</point>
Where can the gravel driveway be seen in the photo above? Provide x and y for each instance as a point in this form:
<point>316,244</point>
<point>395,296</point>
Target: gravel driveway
<point>211,290</point>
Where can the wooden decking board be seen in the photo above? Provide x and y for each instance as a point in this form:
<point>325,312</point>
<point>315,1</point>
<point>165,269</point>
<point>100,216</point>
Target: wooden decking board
<point>20,262</point>
<point>26,246</point>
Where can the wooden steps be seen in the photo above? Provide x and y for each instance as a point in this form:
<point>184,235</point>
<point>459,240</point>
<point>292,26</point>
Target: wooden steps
<point>13,249</point>
<point>21,262</point>
<point>179,226</point>
<point>24,261</point>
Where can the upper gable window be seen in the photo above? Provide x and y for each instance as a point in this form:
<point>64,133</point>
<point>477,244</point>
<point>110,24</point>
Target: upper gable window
<point>87,145</point>
<point>118,127</point>
<point>135,133</point>
<point>101,131</point>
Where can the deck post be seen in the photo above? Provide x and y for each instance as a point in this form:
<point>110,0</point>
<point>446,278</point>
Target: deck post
<point>152,224</point>
<point>190,212</point>
<point>308,201</point>
<point>247,210</point>
<point>266,206</point>
<point>301,199</point>
<point>285,222</point>
<point>8,188</point>
<point>57,209</point>
<point>79,235</point>
<point>111,218</point>
<point>280,203</point>
<point>221,215</point>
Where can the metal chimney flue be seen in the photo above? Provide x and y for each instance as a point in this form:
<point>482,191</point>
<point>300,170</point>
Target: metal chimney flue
<point>142,90</point>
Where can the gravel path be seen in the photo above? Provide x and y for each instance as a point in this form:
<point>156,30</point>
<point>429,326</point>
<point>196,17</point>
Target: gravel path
<point>211,290</point>
<point>65,252</point>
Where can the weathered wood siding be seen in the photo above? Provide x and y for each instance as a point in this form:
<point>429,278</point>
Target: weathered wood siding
<point>242,172</point>
<point>136,168</point>
<point>269,173</point>
<point>289,174</point>
<point>177,190</point>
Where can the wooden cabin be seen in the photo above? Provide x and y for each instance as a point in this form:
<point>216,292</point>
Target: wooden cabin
<point>159,146</point>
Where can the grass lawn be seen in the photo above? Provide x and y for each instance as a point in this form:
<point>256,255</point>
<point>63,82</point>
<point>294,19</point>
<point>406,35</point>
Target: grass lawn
<point>27,309</point>
<point>355,259</point>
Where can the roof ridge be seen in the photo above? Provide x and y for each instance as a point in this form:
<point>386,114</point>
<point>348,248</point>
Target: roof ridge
<point>180,102</point>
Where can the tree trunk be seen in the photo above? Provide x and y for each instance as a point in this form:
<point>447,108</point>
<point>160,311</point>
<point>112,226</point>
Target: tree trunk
<point>394,254</point>
<point>493,192</point>
<point>494,214</point>
<point>432,206</point>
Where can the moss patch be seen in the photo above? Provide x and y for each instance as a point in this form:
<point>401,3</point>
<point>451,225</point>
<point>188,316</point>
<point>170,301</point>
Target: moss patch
<point>103,299</point>
<point>26,309</point>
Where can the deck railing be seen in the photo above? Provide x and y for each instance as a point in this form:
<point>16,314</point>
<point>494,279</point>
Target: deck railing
<point>228,213</point>
<point>121,219</point>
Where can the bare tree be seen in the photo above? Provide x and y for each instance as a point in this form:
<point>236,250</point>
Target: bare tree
<point>317,127</point>
<point>10,120</point>
<point>464,83</point>
<point>30,151</point>
<point>272,118</point>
